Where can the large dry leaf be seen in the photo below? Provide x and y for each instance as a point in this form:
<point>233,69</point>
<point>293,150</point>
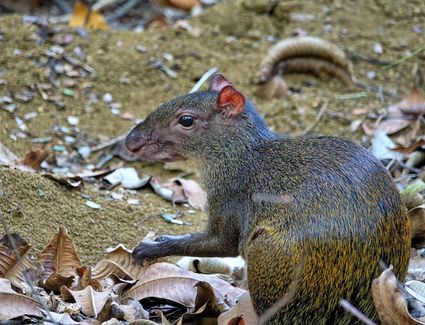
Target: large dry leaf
<point>120,263</point>
<point>12,265</point>
<point>13,304</point>
<point>59,256</point>
<point>389,301</point>
<point>243,310</point>
<point>167,281</point>
<point>91,301</point>
<point>403,114</point>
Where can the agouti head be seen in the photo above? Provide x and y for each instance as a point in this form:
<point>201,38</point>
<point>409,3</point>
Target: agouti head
<point>199,125</point>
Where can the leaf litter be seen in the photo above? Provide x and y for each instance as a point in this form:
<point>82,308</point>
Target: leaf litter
<point>115,286</point>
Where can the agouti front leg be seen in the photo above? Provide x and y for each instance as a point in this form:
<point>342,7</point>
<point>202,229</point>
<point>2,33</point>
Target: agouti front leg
<point>198,244</point>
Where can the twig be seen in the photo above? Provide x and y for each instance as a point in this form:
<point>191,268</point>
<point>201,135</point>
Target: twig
<point>24,272</point>
<point>108,143</point>
<point>405,58</point>
<point>360,94</point>
<point>355,312</point>
<point>122,10</point>
<point>319,115</point>
<point>64,6</point>
<point>359,57</point>
<point>104,3</point>
<point>204,78</point>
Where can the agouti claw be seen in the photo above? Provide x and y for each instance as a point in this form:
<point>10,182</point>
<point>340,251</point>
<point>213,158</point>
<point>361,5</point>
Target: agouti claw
<point>147,249</point>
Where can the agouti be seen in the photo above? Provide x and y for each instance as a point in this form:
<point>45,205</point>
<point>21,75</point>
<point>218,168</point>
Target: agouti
<point>317,210</point>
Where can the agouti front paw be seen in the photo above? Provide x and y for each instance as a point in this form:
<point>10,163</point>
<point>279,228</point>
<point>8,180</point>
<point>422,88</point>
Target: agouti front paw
<point>147,249</point>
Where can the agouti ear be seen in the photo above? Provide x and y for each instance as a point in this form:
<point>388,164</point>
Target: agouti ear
<point>230,102</point>
<point>218,82</point>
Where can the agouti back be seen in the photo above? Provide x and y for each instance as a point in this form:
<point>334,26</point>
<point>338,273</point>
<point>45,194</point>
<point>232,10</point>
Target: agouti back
<point>319,211</point>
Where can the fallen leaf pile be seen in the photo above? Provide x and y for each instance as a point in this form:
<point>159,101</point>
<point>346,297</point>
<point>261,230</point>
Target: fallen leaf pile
<point>398,137</point>
<point>55,286</point>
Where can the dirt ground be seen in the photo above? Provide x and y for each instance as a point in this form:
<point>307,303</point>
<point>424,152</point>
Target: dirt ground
<point>232,36</point>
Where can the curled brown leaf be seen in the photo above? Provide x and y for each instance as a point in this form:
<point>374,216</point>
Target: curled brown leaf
<point>59,256</point>
<point>389,301</point>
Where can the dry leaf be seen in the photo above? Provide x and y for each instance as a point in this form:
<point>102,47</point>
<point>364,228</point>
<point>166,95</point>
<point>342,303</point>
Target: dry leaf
<point>414,202</point>
<point>119,262</point>
<point>72,182</point>
<point>130,312</point>
<point>194,193</point>
<point>181,191</point>
<point>199,315</point>
<point>55,281</point>
<point>213,299</point>
<point>59,256</point>
<point>414,103</point>
<point>91,301</point>
<point>85,279</point>
<point>389,301</point>
<point>180,4</point>
<point>35,157</point>
<point>13,304</point>
<point>167,281</point>
<point>82,16</point>
<point>416,268</point>
<point>7,157</point>
<point>10,266</point>
<point>242,313</point>
<point>403,114</point>
<point>62,319</point>
<point>416,289</point>
<point>418,143</point>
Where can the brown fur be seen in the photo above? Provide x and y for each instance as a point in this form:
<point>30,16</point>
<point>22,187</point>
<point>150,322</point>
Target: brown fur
<point>324,203</point>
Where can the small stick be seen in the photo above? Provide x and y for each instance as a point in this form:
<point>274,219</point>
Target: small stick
<point>405,58</point>
<point>319,115</point>
<point>204,78</point>
<point>122,10</point>
<point>352,96</point>
<point>104,3</point>
<point>356,313</point>
<point>108,143</point>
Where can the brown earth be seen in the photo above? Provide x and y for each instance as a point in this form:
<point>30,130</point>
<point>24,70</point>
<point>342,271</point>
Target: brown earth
<point>354,26</point>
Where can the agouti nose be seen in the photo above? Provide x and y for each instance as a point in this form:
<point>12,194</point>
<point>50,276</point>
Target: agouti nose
<point>136,139</point>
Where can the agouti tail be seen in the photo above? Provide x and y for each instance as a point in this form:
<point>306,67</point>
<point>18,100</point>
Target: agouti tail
<point>318,210</point>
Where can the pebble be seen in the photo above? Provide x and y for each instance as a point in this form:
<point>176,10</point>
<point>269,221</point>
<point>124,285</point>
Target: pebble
<point>377,48</point>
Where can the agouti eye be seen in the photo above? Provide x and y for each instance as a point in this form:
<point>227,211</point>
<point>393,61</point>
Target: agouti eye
<point>186,120</point>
